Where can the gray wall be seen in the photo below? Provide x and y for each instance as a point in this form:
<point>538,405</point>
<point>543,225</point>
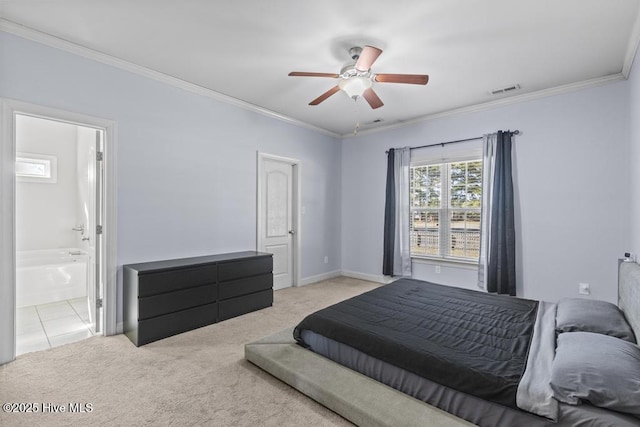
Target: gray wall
<point>634,157</point>
<point>186,163</point>
<point>571,173</point>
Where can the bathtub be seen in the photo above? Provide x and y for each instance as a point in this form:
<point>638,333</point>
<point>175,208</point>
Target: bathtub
<point>50,275</point>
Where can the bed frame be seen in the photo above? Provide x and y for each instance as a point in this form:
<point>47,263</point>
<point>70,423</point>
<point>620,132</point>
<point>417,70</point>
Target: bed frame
<point>365,401</point>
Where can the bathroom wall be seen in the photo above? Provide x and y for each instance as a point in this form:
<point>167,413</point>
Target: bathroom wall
<point>46,212</point>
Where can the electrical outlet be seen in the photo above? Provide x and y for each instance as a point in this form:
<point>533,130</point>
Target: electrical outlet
<point>326,259</point>
<point>584,289</point>
<point>437,269</point>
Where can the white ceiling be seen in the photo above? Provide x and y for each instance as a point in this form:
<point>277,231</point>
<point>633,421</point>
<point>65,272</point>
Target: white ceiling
<point>245,48</point>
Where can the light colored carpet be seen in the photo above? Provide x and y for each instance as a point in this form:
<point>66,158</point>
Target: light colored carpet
<point>196,378</point>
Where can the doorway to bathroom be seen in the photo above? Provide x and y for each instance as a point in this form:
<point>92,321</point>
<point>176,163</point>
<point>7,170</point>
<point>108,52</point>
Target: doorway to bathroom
<point>58,216</point>
<point>71,258</point>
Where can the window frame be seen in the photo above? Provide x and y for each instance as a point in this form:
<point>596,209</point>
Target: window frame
<point>445,210</point>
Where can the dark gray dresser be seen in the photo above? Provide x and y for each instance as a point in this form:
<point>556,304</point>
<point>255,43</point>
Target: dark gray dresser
<point>165,298</point>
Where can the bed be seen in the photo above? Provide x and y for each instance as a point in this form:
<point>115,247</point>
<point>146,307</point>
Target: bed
<point>490,360</point>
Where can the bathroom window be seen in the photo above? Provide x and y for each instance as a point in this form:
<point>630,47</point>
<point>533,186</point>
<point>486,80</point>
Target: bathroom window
<point>36,168</point>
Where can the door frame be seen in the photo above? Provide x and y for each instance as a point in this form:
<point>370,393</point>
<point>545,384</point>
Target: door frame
<point>296,211</point>
<point>8,109</point>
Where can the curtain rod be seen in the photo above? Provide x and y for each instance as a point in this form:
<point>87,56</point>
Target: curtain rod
<point>515,132</point>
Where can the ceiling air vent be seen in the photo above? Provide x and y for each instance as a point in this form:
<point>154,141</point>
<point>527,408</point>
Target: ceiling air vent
<point>375,121</point>
<point>505,89</point>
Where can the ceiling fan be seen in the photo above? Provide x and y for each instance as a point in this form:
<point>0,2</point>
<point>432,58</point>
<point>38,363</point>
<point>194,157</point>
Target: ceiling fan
<point>356,78</point>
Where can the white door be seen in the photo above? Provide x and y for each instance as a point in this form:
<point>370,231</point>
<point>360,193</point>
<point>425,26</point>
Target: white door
<point>276,205</point>
<point>89,216</point>
<point>96,299</point>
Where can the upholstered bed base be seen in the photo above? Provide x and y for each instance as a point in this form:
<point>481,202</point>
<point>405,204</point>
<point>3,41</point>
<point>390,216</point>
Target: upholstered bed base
<point>359,399</point>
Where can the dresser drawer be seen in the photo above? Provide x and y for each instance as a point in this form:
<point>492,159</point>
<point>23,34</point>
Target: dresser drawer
<point>245,268</point>
<point>173,280</point>
<point>170,302</point>
<point>171,324</point>
<point>245,286</point>
<point>240,305</point>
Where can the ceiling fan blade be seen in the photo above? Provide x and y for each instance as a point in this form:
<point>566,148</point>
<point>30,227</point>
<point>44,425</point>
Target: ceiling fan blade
<point>367,57</point>
<point>414,79</point>
<point>325,95</point>
<point>305,74</point>
<point>372,98</point>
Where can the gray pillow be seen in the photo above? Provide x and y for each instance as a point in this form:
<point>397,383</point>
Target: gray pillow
<point>600,317</point>
<point>600,369</point>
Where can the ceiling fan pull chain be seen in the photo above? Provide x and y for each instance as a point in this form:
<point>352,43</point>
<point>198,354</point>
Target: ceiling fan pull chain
<point>355,108</point>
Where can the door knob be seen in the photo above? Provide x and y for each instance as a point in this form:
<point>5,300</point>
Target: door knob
<point>292,232</point>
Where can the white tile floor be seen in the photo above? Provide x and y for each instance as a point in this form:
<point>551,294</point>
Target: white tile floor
<point>44,326</point>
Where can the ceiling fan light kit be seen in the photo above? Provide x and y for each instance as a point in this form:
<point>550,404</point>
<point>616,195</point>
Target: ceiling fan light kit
<point>357,79</point>
<point>355,86</point>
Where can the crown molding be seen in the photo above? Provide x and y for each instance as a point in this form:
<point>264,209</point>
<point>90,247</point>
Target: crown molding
<point>86,52</point>
<point>545,93</point>
<point>632,48</point>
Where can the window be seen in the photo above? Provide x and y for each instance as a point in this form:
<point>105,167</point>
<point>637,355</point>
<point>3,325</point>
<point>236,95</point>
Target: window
<point>36,168</point>
<point>445,201</point>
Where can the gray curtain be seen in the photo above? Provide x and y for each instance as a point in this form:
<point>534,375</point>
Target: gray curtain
<point>501,262</point>
<point>488,163</point>
<point>396,260</point>
<point>389,216</point>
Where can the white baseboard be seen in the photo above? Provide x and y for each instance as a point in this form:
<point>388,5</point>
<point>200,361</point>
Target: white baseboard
<point>320,277</point>
<point>119,328</point>
<point>370,277</point>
